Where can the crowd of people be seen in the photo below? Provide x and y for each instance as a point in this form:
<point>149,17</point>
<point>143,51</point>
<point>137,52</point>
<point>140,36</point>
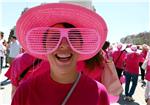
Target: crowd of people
<point>64,59</point>
<point>8,50</point>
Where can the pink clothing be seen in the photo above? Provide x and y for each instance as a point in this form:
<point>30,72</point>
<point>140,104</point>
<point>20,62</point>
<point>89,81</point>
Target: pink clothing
<point>95,74</point>
<point>119,61</point>
<point>147,76</point>
<point>42,90</point>
<point>132,63</point>
<point>142,58</point>
<point>144,53</point>
<point>21,62</point>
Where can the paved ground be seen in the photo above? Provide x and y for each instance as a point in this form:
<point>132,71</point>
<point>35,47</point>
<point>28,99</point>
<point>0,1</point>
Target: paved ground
<point>138,96</point>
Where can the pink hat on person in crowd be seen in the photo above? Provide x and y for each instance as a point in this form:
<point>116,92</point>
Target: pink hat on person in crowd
<point>119,46</point>
<point>49,14</point>
<point>134,48</point>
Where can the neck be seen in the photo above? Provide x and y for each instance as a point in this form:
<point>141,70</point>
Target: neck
<point>64,77</point>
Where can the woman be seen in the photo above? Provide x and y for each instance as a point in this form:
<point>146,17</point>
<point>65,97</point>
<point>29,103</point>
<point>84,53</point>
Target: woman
<point>57,35</point>
<point>132,72</point>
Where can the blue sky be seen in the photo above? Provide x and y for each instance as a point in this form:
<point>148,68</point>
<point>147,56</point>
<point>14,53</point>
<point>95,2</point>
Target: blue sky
<point>122,17</point>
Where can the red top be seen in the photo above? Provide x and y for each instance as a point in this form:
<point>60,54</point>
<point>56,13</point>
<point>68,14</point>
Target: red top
<point>21,62</point>
<point>147,76</point>
<point>95,73</point>
<point>132,62</point>
<point>119,61</point>
<point>144,53</point>
<point>42,90</point>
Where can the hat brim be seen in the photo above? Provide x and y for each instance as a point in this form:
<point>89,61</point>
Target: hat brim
<point>49,14</point>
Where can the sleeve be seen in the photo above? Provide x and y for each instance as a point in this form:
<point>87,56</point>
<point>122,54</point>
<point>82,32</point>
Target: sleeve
<point>8,73</point>
<point>12,74</point>
<point>21,95</point>
<point>103,95</point>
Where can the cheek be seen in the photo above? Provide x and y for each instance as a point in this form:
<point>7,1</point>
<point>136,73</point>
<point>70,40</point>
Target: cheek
<point>76,55</point>
<point>50,58</point>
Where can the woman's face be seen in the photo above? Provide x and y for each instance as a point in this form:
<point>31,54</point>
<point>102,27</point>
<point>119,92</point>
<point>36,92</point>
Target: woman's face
<point>64,58</point>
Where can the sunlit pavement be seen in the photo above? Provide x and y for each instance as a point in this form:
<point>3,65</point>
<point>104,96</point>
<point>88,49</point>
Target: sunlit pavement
<point>5,97</point>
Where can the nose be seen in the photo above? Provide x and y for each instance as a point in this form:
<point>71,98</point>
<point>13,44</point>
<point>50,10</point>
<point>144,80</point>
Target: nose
<point>64,45</point>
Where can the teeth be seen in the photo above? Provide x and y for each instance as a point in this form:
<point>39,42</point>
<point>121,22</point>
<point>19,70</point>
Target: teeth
<point>63,55</point>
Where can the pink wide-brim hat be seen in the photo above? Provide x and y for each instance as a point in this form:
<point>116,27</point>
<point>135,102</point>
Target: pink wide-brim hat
<point>49,14</point>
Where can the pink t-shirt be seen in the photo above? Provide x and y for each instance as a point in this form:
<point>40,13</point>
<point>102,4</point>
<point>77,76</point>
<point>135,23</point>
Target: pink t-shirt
<point>119,61</point>
<point>147,75</point>
<point>95,73</point>
<point>141,58</point>
<point>21,62</point>
<point>132,62</point>
<point>144,53</point>
<point>42,90</point>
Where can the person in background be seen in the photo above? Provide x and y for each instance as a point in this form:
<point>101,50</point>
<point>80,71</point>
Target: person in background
<point>143,54</point>
<point>14,48</point>
<point>118,58</point>
<point>147,77</point>
<point>2,50</point>
<point>62,55</point>
<point>131,72</point>
<point>5,43</point>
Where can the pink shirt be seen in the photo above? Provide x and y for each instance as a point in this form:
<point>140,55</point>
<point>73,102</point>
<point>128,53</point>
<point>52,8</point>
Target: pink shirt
<point>21,62</point>
<point>132,63</point>
<point>147,75</point>
<point>42,90</point>
<point>95,73</point>
<point>144,53</point>
<point>141,58</point>
<point>119,61</point>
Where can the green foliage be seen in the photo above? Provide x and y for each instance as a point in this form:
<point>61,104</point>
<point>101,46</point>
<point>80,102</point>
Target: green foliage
<point>139,39</point>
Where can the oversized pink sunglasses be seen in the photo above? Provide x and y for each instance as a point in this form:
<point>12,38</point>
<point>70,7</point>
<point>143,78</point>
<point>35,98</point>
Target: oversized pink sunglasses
<point>45,40</point>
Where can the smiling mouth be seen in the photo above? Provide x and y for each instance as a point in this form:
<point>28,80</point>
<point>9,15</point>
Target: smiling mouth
<point>63,57</point>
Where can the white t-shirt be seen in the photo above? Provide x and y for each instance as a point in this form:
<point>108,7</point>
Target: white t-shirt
<point>2,49</point>
<point>14,49</point>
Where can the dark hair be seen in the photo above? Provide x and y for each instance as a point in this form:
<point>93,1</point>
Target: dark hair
<point>95,61</point>
<point>14,37</point>
<point>2,34</point>
<point>106,45</point>
<point>98,59</point>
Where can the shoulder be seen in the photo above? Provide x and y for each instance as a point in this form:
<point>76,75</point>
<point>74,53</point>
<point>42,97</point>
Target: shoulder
<point>88,81</point>
<point>97,89</point>
<point>21,94</point>
<point>103,95</point>
<point>88,86</point>
<point>101,89</point>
